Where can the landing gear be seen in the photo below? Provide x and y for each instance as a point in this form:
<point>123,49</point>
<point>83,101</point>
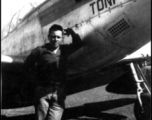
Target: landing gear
<point>142,104</point>
<point>144,112</point>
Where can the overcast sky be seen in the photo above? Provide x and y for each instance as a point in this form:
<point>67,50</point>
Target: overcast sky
<point>10,7</point>
<point>146,49</point>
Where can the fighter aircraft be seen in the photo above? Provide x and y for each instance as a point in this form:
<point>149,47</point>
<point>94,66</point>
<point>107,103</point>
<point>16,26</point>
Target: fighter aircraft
<point>110,30</point>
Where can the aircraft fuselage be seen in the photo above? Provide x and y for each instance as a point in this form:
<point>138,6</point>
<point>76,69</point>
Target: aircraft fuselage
<point>110,29</point>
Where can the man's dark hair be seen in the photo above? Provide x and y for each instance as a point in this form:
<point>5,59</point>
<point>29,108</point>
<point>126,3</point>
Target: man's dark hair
<point>55,27</point>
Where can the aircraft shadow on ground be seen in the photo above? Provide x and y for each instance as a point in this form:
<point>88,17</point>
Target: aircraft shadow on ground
<point>89,111</point>
<point>94,110</point>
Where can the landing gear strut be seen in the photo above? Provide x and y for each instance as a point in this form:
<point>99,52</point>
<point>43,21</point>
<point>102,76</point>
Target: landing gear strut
<point>142,104</point>
<point>144,113</point>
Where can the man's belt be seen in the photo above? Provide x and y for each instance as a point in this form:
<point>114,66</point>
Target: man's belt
<point>56,84</point>
<point>50,83</point>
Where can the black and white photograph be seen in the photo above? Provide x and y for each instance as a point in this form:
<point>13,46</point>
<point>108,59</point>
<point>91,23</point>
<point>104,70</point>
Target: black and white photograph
<point>75,60</point>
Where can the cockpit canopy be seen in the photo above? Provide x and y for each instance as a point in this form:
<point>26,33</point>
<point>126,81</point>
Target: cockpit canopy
<point>17,18</point>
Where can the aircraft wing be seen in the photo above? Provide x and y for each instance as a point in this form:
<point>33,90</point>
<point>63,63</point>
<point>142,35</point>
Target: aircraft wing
<point>12,59</point>
<point>13,79</point>
<point>17,85</point>
<point>10,63</point>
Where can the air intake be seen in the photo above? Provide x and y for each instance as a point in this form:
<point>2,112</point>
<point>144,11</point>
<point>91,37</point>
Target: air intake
<point>119,27</point>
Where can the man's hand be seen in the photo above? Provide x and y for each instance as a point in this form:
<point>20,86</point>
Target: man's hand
<point>68,31</point>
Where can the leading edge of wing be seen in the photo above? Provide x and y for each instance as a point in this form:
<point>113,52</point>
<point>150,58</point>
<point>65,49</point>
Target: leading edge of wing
<point>12,59</point>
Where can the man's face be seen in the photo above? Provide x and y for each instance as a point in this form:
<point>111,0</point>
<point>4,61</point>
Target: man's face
<point>55,38</point>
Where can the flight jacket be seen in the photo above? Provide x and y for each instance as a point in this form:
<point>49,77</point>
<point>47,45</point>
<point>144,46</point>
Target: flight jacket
<point>50,67</point>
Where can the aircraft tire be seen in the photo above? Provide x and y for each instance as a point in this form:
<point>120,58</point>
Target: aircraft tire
<point>146,105</point>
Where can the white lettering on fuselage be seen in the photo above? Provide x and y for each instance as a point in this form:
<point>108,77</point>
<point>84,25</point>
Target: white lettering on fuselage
<point>101,5</point>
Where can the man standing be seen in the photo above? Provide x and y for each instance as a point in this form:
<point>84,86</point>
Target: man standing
<point>50,61</point>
